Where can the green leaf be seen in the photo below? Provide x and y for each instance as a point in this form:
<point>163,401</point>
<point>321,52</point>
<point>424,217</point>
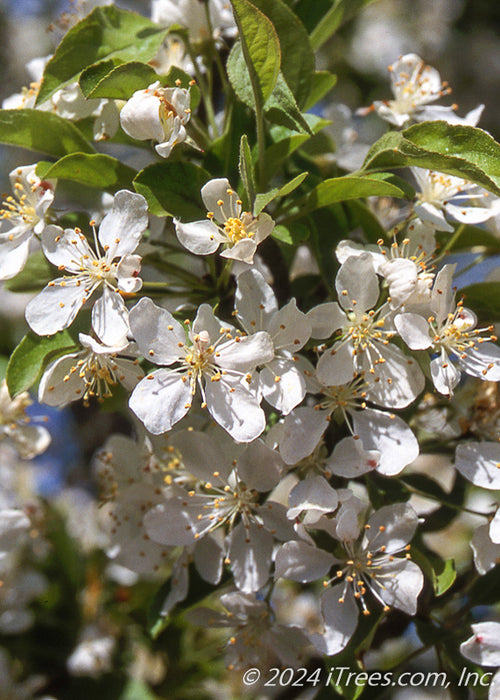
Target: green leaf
<point>286,142</point>
<point>173,189</point>
<point>43,132</point>
<point>31,356</point>
<point>341,189</point>
<point>34,276</point>
<point>291,235</point>
<point>106,33</point>
<point>120,82</point>
<point>297,56</point>
<point>340,12</point>
<point>245,167</point>
<point>96,170</point>
<point>462,151</point>
<point>137,690</point>
<point>363,217</point>
<point>94,74</point>
<point>484,299</point>
<point>281,108</point>
<point>260,47</point>
<point>4,361</point>
<point>262,200</point>
<point>484,591</point>
<point>322,82</point>
<point>441,572</point>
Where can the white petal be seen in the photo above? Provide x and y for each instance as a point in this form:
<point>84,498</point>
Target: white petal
<point>290,329</point>
<point>156,332</point>
<point>390,436</point>
<point>206,321</point>
<point>14,524</point>
<point>255,302</point>
<point>140,116</point>
<point>482,361</point>
<point>325,319</point>
<point>298,561</point>
<point>470,214</point>
<point>122,228</point>
<point>484,645</point>
<point>479,463</point>
<point>64,249</point>
<point>350,460</point>
<point>61,382</point>
<point>274,519</point>
<point>236,409</point>
<point>313,494</point>
<point>250,555</point>
<point>341,619</point>
<point>357,284</point>
<point>55,307</point>
<point>214,191</point>
<point>208,559</point>
<point>495,528</point>
<point>110,317</point>
<point>401,276</point>
<point>426,211</point>
<point>13,255</point>
<point>282,385</point>
<point>259,466</point>
<point>443,294</point>
<point>399,522</point>
<point>246,353</point>
<point>127,372</point>
<point>200,237</point>
<point>402,582</point>
<point>336,364</point>
<point>486,552</point>
<point>201,455</point>
<point>171,523</point>
<point>243,250</point>
<point>398,380</point>
<point>302,431</point>
<point>414,329</point>
<point>445,374</point>
<point>160,402</point>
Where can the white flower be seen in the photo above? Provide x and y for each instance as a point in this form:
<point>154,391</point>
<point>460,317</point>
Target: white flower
<point>238,231</point>
<point>90,373</point>
<point>379,441</point>
<point>193,15</point>
<point>258,639</point>
<point>414,85</point>
<point>213,357</point>
<point>15,426</point>
<point>451,334</point>
<point>93,654</point>
<point>479,462</point>
<point>230,481</point>
<point>159,114</point>
<point>370,564</point>
<point>485,549</point>
<point>114,269</point>
<point>442,195</point>
<point>280,381</point>
<point>364,346</point>
<point>484,648</point>
<point>21,216</point>
<point>407,267</point>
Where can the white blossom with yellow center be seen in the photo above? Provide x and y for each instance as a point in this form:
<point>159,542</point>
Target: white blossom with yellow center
<point>238,231</point>
<point>211,357</point>
<point>449,333</point>
<point>111,267</point>
<point>369,569</point>
<point>22,215</point>
<point>158,114</point>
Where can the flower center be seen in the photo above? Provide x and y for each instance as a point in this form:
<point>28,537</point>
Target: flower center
<point>235,230</point>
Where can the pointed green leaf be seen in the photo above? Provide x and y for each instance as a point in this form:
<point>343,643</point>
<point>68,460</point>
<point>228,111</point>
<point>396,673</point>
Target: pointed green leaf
<point>297,56</point>
<point>43,132</point>
<point>262,200</point>
<point>96,170</point>
<point>340,12</point>
<point>322,82</point>
<point>260,48</point>
<point>462,151</point>
<point>173,189</point>
<point>120,82</point>
<point>281,108</point>
<point>245,167</point>
<point>31,356</point>
<point>106,33</point>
